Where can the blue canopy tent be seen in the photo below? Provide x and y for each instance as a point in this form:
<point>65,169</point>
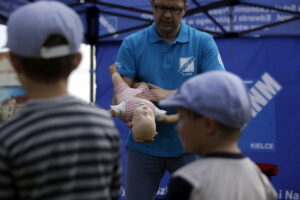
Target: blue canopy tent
<point>258,41</point>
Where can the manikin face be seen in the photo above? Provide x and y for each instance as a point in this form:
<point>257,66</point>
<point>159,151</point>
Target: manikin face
<point>167,15</point>
<point>143,112</point>
<point>143,124</point>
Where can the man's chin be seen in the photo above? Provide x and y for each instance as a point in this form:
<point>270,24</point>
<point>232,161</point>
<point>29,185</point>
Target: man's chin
<point>166,30</point>
<point>166,26</point>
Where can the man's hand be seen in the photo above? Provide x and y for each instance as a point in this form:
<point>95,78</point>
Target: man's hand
<point>154,93</point>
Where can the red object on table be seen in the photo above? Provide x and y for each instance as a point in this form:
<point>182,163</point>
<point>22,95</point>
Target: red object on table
<point>268,169</point>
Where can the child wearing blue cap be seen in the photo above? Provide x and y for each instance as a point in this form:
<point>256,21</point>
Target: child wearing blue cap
<point>213,108</point>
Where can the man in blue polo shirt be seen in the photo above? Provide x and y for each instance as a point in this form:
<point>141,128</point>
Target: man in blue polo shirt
<point>165,55</point>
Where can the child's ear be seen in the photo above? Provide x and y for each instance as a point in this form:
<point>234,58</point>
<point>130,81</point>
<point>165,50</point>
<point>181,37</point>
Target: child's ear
<point>210,124</point>
<point>77,60</point>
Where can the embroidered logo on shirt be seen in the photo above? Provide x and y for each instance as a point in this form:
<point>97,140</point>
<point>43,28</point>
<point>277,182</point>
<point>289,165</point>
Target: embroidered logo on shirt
<point>186,66</point>
<point>118,65</point>
<point>220,60</point>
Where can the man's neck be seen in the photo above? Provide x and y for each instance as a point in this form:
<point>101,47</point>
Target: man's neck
<point>169,37</point>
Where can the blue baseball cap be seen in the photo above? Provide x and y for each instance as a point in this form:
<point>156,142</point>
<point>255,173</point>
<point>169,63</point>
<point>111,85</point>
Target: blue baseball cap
<point>29,27</point>
<point>217,94</point>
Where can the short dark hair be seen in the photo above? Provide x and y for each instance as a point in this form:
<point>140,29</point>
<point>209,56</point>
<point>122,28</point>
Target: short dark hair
<point>49,70</point>
<point>225,128</point>
<point>228,129</point>
<point>184,1</point>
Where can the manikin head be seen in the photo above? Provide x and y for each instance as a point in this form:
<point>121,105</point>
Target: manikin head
<point>143,124</point>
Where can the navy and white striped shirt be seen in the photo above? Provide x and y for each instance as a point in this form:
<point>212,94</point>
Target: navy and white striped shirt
<point>62,149</point>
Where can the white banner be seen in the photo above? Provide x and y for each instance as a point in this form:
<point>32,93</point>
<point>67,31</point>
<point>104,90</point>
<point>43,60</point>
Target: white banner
<point>8,76</point>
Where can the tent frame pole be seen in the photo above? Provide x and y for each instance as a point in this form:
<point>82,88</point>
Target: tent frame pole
<point>92,49</point>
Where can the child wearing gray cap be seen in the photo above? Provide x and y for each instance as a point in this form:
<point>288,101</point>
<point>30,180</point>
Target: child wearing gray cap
<point>57,146</point>
<point>213,108</point>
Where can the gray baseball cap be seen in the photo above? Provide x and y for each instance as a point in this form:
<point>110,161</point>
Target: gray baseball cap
<point>217,94</point>
<point>29,26</point>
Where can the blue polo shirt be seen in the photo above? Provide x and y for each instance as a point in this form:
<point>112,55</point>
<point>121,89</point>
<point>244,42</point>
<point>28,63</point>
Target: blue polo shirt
<point>147,57</point>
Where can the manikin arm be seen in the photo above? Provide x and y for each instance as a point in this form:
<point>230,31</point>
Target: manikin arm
<point>118,79</point>
<point>170,118</point>
<point>115,76</point>
<point>112,113</point>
